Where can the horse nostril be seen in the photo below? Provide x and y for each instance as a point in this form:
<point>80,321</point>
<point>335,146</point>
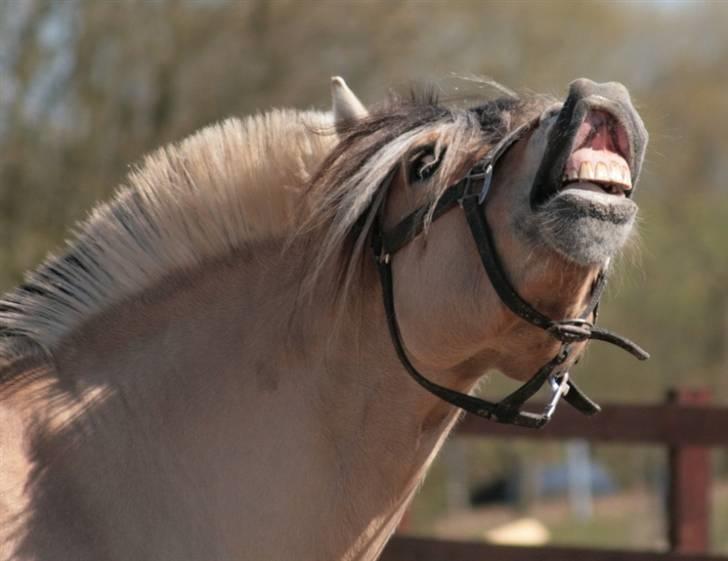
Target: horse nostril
<point>613,93</point>
<point>552,111</point>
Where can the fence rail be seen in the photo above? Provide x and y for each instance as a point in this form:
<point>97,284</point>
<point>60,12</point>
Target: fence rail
<point>406,548</point>
<point>686,424</point>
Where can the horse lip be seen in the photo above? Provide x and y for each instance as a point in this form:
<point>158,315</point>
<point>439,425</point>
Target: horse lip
<point>595,205</point>
<point>562,139</point>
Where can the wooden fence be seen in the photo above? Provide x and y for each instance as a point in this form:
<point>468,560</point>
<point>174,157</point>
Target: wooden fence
<point>686,424</point>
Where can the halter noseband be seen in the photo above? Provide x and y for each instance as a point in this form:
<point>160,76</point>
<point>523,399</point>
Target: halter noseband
<point>470,193</point>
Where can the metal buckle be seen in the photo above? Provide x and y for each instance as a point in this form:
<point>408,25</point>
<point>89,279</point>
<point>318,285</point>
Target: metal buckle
<point>559,387</point>
<point>486,175</point>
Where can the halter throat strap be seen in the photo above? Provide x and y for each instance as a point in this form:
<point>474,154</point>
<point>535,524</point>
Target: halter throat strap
<point>470,193</point>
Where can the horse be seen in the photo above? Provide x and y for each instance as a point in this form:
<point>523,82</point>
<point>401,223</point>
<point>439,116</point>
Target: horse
<point>207,369</point>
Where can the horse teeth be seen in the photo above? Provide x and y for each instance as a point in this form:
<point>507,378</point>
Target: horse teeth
<point>627,178</point>
<point>622,176</point>
<point>570,175</point>
<point>615,173</point>
<point>601,172</point>
<point>586,171</point>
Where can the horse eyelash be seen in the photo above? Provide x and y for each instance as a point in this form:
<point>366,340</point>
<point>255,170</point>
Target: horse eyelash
<point>419,171</point>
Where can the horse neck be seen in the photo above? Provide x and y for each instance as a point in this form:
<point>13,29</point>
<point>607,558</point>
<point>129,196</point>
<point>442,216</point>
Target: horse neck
<point>225,372</point>
<point>385,428</point>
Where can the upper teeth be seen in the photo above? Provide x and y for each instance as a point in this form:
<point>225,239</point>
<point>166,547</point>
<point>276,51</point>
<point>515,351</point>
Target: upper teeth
<point>603,172</point>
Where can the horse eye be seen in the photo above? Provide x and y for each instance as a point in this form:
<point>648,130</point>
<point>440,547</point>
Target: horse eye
<point>422,165</point>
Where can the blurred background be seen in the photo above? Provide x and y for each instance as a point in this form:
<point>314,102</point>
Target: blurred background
<point>87,87</point>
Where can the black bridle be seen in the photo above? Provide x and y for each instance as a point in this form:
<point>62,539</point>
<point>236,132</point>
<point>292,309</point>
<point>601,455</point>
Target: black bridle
<point>470,193</point>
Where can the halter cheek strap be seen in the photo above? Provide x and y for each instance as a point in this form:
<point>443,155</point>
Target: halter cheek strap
<point>470,193</point>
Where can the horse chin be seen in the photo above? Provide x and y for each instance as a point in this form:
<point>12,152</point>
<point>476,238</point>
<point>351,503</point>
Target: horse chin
<point>586,226</point>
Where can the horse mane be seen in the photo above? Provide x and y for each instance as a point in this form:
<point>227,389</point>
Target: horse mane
<point>227,185</point>
<point>279,174</point>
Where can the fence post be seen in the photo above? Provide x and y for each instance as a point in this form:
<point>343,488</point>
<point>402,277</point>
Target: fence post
<point>689,486</point>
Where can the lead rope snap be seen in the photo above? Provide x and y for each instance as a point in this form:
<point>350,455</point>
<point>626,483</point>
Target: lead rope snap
<point>559,387</point>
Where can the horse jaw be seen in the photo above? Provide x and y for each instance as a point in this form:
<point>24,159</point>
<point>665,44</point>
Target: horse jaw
<point>586,227</point>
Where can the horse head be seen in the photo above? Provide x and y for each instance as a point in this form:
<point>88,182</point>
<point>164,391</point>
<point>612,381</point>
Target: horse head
<point>554,186</point>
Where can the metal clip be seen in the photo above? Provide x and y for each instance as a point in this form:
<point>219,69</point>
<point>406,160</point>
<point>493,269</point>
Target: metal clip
<point>559,388</point>
<point>487,178</point>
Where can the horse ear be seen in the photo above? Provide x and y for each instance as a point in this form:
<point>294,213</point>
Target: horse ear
<point>346,106</point>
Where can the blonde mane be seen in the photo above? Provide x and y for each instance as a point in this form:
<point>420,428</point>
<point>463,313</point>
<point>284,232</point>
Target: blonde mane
<point>227,185</point>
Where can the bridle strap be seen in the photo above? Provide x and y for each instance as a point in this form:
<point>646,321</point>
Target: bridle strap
<point>568,331</point>
<point>471,201</point>
<point>506,411</point>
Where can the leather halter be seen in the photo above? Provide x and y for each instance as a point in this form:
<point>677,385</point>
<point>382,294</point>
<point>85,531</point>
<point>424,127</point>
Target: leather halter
<point>470,193</point>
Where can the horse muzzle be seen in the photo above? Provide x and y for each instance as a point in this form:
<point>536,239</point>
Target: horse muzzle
<point>597,143</point>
